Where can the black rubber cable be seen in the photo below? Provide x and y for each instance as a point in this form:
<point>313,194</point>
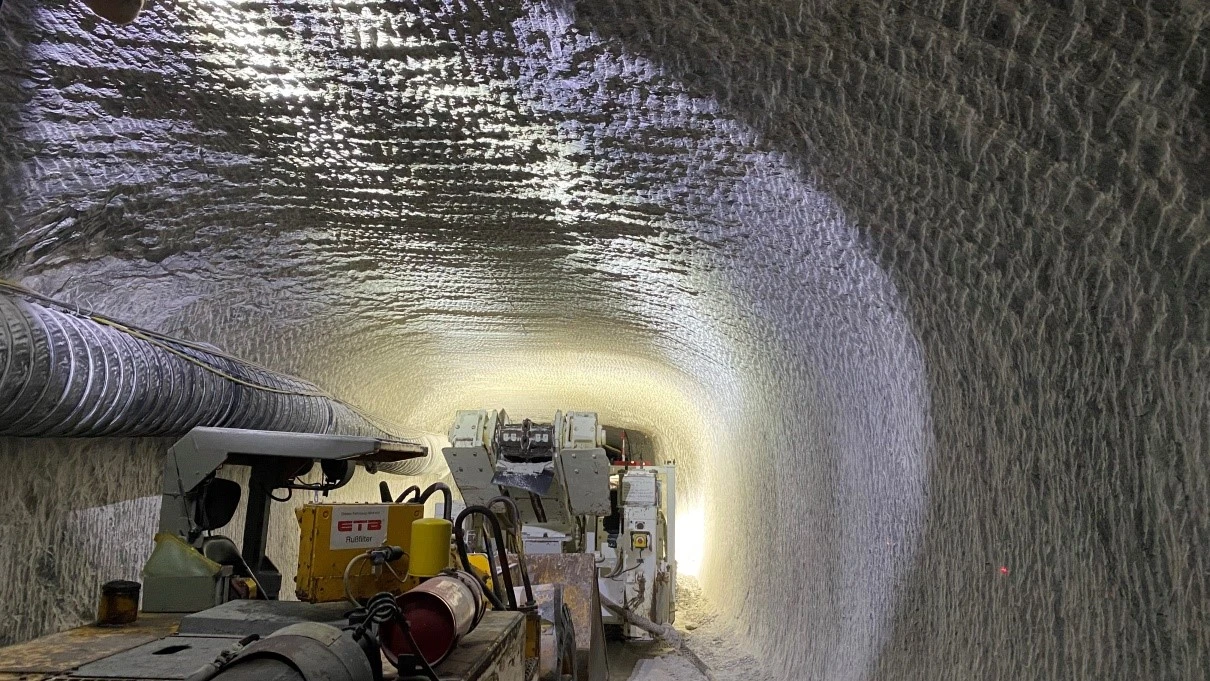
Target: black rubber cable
<point>460,537</point>
<point>424,664</point>
<point>446,494</point>
<point>404,495</point>
<point>383,607</point>
<point>515,519</point>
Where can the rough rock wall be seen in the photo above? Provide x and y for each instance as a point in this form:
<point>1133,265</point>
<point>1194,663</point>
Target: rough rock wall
<point>923,283</point>
<point>76,513</point>
<point>1034,177</point>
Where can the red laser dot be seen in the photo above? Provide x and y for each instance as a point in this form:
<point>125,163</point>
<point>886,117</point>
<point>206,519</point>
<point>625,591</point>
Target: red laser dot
<point>1004,569</point>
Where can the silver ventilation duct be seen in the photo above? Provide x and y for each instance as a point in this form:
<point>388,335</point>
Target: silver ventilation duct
<point>75,375</point>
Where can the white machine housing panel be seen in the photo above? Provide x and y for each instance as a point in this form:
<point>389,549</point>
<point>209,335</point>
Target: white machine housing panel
<point>644,554</point>
<point>473,470</point>
<point>585,475</point>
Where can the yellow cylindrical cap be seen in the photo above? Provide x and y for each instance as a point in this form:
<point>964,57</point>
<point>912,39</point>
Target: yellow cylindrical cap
<point>430,552</point>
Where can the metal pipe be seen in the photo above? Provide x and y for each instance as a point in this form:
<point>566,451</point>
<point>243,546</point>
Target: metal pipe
<point>669,634</point>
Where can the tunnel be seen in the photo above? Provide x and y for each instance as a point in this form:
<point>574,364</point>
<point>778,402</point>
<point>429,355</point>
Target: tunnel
<point>915,294</point>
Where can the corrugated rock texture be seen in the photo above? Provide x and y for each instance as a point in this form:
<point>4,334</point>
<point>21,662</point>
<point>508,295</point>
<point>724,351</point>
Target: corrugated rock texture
<point>917,294</point>
<point>77,513</point>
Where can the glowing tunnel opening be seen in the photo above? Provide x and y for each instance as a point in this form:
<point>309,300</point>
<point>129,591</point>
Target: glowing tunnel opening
<point>690,538</point>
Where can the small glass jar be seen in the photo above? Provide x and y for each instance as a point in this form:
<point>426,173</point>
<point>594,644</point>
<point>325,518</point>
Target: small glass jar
<point>119,603</point>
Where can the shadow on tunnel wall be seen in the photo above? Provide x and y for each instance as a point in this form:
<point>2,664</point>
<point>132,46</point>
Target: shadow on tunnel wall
<point>75,514</point>
<point>1034,180</point>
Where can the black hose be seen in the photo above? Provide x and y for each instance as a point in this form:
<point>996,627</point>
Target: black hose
<point>514,515</point>
<point>446,494</point>
<point>497,583</point>
<point>460,537</point>
<point>424,664</point>
<point>384,492</point>
<point>495,594</point>
<point>413,489</point>
<point>492,596</point>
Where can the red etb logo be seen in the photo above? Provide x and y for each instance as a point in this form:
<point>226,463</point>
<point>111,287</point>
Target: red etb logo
<point>359,525</point>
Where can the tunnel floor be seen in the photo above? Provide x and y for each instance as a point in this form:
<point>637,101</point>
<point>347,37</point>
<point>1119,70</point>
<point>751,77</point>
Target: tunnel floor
<point>709,635</point>
<point>653,661</point>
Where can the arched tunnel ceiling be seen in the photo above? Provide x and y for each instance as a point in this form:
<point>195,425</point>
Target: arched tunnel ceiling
<point>912,291</point>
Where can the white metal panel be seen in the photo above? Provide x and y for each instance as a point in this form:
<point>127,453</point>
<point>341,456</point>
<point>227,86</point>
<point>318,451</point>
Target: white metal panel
<point>472,470</point>
<point>585,474</point>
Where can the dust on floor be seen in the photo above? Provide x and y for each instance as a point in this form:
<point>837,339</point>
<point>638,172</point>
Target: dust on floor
<point>709,635</point>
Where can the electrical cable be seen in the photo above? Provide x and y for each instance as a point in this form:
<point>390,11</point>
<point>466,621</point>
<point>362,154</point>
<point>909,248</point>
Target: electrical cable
<point>153,336</point>
<point>383,607</point>
<point>617,564</point>
<point>492,596</point>
<point>424,664</point>
<point>167,347</point>
<point>629,569</point>
<point>345,580</point>
<point>317,487</point>
<point>281,500</point>
<point>396,574</point>
<point>260,590</point>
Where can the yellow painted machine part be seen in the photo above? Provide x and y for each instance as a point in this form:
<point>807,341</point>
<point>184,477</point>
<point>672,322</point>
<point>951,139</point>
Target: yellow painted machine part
<point>533,635</point>
<point>481,567</point>
<point>321,568</point>
<point>430,551</point>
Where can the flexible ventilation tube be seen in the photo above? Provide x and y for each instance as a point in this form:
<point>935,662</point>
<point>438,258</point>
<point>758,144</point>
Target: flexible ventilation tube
<point>63,375</point>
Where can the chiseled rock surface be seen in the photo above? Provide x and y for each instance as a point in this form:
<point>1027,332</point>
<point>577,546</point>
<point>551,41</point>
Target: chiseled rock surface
<point>916,294</point>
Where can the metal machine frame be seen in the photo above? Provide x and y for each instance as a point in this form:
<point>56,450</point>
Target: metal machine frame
<point>655,523</point>
<point>271,456</point>
<point>559,476</point>
<point>555,493</point>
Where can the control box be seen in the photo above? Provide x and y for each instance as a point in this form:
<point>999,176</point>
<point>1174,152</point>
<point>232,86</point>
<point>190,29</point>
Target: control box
<point>334,534</point>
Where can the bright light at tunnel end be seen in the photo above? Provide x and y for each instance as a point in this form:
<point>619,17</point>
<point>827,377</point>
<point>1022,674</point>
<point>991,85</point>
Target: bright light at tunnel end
<point>690,539</point>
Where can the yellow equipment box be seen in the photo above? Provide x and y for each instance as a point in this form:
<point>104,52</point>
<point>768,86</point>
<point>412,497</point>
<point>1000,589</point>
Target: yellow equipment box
<point>334,534</point>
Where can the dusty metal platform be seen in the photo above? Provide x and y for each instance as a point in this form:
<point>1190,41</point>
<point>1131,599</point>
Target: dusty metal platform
<point>577,573</point>
<point>494,651</point>
<point>244,617</point>
<point>57,654</point>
